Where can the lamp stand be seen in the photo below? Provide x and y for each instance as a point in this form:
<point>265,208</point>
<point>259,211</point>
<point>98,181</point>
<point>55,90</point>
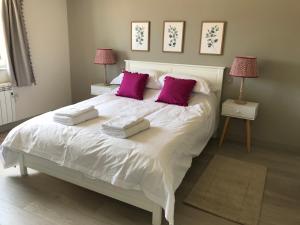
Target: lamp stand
<point>240,100</point>
<point>105,75</point>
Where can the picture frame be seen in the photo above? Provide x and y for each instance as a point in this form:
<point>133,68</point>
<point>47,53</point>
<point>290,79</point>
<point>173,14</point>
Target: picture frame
<point>212,37</point>
<point>140,36</point>
<point>173,36</point>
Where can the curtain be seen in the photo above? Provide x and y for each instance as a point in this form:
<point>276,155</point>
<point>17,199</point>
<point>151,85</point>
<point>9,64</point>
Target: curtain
<point>18,52</point>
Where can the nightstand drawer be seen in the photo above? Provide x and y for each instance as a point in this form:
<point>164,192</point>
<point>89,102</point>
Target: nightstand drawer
<point>247,111</point>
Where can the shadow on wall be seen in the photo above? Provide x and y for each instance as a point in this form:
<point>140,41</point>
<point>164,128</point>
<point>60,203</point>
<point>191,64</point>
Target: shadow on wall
<point>115,70</point>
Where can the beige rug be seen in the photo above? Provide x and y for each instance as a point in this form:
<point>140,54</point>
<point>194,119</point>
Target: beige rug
<point>231,189</point>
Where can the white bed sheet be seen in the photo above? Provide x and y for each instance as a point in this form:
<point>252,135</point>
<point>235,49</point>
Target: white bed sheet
<point>154,161</point>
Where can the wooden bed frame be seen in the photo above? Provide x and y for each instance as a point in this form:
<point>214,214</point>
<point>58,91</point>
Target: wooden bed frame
<point>136,198</point>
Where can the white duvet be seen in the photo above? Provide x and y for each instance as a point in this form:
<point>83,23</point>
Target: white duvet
<point>153,161</point>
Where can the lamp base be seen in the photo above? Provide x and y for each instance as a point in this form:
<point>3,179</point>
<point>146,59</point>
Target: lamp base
<point>105,76</point>
<point>240,102</point>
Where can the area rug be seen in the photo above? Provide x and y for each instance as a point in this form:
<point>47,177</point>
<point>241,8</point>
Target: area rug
<point>231,189</point>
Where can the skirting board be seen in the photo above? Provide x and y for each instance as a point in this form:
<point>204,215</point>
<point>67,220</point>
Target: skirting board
<point>261,143</point>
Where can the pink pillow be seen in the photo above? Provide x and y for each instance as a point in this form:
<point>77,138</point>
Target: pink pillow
<point>133,85</point>
<point>176,91</point>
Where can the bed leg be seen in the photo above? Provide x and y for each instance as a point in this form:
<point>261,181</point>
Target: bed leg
<point>23,168</point>
<point>156,215</point>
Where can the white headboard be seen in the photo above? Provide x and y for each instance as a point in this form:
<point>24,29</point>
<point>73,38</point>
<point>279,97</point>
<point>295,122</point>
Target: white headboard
<point>213,74</point>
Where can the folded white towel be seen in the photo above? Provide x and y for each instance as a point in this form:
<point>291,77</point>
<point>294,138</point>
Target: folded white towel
<point>70,121</point>
<point>122,122</point>
<point>73,111</point>
<point>125,133</point>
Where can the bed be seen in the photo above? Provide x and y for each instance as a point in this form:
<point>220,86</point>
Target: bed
<point>144,170</point>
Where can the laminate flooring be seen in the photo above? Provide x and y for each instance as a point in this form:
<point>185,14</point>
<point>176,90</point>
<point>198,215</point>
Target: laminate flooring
<point>39,199</point>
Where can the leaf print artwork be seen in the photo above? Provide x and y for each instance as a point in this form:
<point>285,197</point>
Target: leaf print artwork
<point>140,35</point>
<point>173,36</point>
<point>211,36</point>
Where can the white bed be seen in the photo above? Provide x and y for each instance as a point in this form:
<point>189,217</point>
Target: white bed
<point>144,170</point>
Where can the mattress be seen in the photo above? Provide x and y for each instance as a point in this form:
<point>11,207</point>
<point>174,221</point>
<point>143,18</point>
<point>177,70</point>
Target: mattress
<point>153,161</point>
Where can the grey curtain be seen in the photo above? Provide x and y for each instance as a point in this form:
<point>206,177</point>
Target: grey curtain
<point>18,52</point>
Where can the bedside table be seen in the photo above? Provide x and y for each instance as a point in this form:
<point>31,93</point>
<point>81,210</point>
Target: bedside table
<point>247,112</point>
<point>100,88</point>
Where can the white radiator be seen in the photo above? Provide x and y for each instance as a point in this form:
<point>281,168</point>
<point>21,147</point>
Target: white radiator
<point>7,105</point>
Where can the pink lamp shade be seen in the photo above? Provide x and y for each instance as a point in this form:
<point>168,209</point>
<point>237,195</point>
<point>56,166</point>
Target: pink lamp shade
<point>244,67</point>
<point>104,56</point>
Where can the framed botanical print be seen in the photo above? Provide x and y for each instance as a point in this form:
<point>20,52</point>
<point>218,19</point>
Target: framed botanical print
<point>212,38</point>
<point>173,36</point>
<point>140,36</point>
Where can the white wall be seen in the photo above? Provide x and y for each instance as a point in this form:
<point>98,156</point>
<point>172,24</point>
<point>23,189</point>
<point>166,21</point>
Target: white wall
<point>47,27</point>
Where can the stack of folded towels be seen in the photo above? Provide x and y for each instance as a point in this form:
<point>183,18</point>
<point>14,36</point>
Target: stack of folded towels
<point>125,126</point>
<point>72,115</point>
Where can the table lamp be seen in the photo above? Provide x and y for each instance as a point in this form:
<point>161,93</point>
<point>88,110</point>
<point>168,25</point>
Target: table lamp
<point>244,67</point>
<point>104,57</point>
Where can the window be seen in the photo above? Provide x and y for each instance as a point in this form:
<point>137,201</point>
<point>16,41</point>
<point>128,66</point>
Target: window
<point>2,44</point>
<point>4,76</point>
<point>2,48</point>
<point>2,61</point>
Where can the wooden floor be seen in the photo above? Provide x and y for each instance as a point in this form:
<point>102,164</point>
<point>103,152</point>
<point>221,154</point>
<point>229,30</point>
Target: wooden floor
<point>42,200</point>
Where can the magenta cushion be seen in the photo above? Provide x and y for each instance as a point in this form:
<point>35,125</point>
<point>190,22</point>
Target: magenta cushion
<point>176,91</point>
<point>133,85</point>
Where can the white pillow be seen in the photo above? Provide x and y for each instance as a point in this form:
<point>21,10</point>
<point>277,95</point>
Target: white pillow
<point>153,80</point>
<point>202,86</point>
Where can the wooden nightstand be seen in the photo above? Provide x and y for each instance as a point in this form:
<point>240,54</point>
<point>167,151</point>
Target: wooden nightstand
<point>100,89</point>
<point>247,112</point>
